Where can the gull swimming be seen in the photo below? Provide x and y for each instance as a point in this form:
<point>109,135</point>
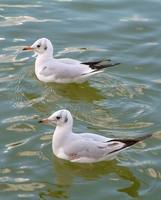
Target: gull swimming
<point>63,70</point>
<point>83,147</point>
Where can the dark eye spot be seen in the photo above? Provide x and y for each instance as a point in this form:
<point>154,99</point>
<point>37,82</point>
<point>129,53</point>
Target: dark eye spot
<point>58,117</point>
<point>38,46</point>
<point>45,48</point>
<point>66,119</point>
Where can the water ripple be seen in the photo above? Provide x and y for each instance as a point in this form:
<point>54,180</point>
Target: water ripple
<point>19,118</point>
<point>10,179</point>
<point>29,153</point>
<point>153,173</point>
<point>19,127</point>
<point>26,187</point>
<point>29,103</point>
<point>8,78</point>
<point>5,170</point>
<point>11,56</point>
<point>2,5</point>
<point>15,144</point>
<point>123,101</point>
<point>16,21</point>
<point>78,49</point>
<point>135,18</point>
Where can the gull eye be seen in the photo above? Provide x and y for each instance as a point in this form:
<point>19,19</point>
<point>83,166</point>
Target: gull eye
<point>58,117</point>
<point>38,46</point>
<point>45,48</point>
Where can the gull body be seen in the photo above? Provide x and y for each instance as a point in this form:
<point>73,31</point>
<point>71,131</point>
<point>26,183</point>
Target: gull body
<point>65,70</point>
<point>83,147</point>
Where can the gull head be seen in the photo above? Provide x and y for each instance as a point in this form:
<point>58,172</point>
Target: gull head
<point>60,118</point>
<point>41,46</point>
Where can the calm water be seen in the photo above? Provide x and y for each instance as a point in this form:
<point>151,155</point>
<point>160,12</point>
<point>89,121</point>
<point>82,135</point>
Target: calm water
<point>124,101</point>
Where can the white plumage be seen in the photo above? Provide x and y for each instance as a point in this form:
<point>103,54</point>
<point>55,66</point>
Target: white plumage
<point>83,147</point>
<point>65,70</point>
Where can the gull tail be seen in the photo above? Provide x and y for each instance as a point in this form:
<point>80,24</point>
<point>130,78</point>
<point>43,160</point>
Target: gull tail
<point>100,64</point>
<point>129,142</point>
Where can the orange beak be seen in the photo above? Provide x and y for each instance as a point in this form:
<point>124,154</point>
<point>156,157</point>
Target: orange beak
<point>28,49</point>
<point>45,121</point>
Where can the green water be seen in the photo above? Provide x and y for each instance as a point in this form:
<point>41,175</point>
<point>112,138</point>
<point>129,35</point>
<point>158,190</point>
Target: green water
<point>124,101</point>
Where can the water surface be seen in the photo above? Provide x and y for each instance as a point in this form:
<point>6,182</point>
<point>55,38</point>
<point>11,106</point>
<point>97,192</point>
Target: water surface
<point>124,101</point>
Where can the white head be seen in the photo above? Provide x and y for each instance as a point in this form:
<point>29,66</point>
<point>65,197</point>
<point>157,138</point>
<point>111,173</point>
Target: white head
<point>60,118</point>
<point>41,46</point>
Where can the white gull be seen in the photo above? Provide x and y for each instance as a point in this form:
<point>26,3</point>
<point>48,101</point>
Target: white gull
<point>63,70</point>
<point>83,147</point>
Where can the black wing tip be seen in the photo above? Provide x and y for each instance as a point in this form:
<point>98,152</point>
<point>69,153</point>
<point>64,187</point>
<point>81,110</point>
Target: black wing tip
<point>111,65</point>
<point>117,64</point>
<point>130,142</point>
<point>139,139</point>
<point>100,64</point>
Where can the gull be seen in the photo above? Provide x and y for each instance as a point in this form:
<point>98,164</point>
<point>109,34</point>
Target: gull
<point>83,147</point>
<point>63,70</point>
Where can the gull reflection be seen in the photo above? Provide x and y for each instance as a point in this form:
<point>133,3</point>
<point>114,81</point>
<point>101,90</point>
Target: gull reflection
<point>83,92</point>
<point>66,173</point>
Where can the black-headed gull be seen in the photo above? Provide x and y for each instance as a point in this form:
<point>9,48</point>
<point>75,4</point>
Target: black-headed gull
<point>83,147</point>
<point>64,70</point>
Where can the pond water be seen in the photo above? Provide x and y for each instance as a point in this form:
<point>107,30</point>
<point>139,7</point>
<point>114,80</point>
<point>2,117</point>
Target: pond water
<point>123,101</point>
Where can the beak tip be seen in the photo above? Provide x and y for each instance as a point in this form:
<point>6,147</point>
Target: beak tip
<point>27,49</point>
<point>43,121</point>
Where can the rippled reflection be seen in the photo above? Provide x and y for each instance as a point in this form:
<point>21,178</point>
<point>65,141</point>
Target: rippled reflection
<point>67,175</point>
<point>15,21</point>
<point>83,92</point>
<point>21,127</point>
<point>27,187</point>
<point>135,18</point>
<point>3,5</point>
<point>78,49</point>
<point>14,145</point>
<point>123,101</point>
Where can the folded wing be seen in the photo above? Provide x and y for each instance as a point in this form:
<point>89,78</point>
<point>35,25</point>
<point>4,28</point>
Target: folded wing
<point>96,150</point>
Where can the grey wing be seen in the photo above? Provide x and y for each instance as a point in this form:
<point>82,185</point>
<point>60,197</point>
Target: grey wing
<point>83,148</point>
<point>64,68</point>
<point>69,61</point>
<point>73,68</point>
<point>92,149</point>
<point>94,137</point>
